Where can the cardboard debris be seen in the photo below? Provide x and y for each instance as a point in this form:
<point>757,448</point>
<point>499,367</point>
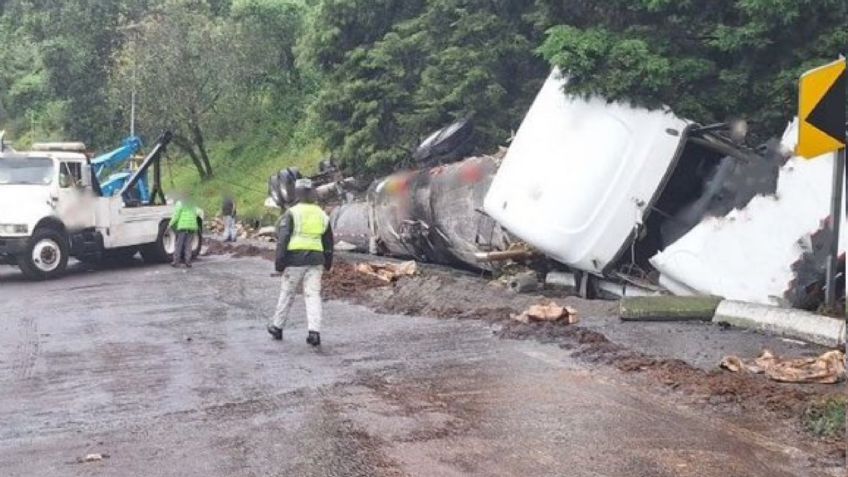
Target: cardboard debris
<point>388,272</point>
<point>828,368</point>
<point>548,312</point>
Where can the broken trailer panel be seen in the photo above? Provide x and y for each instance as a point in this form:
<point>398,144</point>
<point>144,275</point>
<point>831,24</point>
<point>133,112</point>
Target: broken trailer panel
<point>770,250</point>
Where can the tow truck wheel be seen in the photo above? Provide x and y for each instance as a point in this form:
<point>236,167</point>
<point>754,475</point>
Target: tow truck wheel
<point>46,256</point>
<point>162,250</point>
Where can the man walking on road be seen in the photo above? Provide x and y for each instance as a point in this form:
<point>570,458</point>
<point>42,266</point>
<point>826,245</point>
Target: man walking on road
<point>184,223</point>
<point>228,210</point>
<point>304,251</point>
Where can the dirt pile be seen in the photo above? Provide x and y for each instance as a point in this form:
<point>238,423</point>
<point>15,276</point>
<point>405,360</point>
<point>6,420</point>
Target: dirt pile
<point>344,281</point>
<point>238,250</point>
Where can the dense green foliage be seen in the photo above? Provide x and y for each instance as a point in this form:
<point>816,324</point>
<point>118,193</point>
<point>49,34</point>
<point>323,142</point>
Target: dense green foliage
<point>709,61</point>
<point>366,80</point>
<point>400,69</point>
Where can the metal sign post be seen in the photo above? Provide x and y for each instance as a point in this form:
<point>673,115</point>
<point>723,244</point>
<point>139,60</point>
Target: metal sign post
<point>835,225</point>
<point>821,110</point>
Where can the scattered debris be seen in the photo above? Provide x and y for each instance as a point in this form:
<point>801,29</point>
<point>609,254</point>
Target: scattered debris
<point>269,232</point>
<point>524,282</point>
<point>828,368</point>
<point>92,458</point>
<point>517,251</point>
<point>243,231</point>
<point>342,246</point>
<point>388,272</point>
<point>548,312</point>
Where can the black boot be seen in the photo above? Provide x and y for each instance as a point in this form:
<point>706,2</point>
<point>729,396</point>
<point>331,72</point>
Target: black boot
<point>314,338</point>
<point>275,332</point>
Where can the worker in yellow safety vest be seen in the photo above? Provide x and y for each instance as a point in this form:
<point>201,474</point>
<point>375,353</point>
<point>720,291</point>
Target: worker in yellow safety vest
<point>304,252</point>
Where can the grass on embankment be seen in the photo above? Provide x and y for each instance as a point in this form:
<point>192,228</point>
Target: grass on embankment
<point>827,418</point>
<point>241,169</point>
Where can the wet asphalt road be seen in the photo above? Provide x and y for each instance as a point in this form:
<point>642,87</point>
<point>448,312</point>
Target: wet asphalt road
<point>171,373</point>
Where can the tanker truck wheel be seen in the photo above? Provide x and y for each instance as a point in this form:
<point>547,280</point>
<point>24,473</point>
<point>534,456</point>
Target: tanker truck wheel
<point>46,255</point>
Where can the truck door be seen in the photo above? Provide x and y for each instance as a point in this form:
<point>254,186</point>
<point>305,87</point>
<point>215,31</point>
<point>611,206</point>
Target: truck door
<point>73,201</point>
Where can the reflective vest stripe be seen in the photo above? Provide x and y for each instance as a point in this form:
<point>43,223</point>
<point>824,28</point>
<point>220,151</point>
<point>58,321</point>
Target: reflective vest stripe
<point>310,223</point>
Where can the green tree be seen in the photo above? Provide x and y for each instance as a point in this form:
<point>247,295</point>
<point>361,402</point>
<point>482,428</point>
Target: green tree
<point>708,61</point>
<point>74,41</point>
<point>23,86</point>
<point>185,63</point>
<point>396,71</point>
<point>268,31</point>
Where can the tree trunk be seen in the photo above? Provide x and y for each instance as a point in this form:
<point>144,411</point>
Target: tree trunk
<point>201,146</point>
<point>186,145</point>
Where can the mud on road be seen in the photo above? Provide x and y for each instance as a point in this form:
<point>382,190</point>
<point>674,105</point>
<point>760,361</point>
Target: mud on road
<point>171,373</point>
<point>444,293</point>
<point>754,399</point>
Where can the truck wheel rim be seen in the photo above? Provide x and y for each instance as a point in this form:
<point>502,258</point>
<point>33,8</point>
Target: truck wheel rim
<point>46,255</point>
<point>169,241</point>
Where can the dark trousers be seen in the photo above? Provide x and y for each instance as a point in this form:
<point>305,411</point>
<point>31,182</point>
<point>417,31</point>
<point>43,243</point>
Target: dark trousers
<point>182,249</point>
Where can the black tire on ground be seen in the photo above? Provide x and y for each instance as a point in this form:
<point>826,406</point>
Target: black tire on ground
<point>46,255</point>
<point>157,252</point>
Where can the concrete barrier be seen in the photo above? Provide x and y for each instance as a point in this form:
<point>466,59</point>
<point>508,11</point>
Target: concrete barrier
<point>668,308</point>
<point>790,323</point>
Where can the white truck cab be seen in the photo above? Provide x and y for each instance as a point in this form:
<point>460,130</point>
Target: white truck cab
<point>51,210</point>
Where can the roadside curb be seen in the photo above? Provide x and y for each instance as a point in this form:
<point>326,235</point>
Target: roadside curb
<point>782,321</point>
<point>668,308</point>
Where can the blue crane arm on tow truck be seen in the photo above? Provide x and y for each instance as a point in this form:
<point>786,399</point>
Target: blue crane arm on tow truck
<point>112,185</point>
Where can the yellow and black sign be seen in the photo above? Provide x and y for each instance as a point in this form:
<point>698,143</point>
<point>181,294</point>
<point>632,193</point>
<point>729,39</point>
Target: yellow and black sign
<point>822,110</point>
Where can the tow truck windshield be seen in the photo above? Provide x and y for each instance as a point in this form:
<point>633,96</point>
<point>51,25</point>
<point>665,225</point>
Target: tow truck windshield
<point>26,170</point>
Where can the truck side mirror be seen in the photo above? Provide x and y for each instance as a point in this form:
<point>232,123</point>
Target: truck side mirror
<point>85,180</point>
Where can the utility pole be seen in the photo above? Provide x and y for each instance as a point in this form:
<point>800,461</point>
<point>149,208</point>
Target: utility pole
<point>132,109</point>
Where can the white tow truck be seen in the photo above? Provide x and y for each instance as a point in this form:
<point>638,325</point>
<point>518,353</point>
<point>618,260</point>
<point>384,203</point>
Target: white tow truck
<point>52,209</point>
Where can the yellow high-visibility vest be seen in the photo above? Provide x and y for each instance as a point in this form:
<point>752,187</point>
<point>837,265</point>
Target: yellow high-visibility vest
<point>310,223</point>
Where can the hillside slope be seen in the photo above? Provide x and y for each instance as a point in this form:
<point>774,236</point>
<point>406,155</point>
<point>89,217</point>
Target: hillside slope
<point>242,169</point>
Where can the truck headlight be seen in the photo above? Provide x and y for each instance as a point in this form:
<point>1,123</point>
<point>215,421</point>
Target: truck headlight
<point>10,229</point>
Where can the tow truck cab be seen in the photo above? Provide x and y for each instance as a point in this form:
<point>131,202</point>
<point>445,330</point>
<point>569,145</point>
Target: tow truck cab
<point>51,209</point>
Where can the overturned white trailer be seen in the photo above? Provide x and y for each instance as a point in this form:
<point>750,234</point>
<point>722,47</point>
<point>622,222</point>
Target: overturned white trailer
<point>647,197</point>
